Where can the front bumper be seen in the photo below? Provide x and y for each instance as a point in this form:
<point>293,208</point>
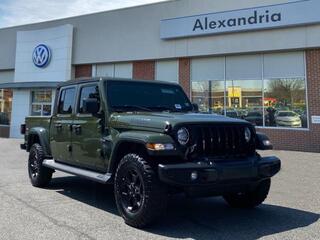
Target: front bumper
<point>218,174</point>
<point>23,146</point>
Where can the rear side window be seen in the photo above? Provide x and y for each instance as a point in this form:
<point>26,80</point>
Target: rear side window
<point>66,101</point>
<point>88,92</point>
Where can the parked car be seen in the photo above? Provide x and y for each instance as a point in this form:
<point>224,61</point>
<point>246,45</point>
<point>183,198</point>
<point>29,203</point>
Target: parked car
<point>147,139</point>
<point>255,117</point>
<point>232,114</point>
<point>288,119</point>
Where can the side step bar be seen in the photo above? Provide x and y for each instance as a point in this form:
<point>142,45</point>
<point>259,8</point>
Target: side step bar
<point>94,176</point>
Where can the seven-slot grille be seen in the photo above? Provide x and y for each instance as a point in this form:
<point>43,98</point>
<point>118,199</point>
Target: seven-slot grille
<point>221,140</point>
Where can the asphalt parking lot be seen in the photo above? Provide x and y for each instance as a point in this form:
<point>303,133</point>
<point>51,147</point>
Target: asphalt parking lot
<point>73,208</point>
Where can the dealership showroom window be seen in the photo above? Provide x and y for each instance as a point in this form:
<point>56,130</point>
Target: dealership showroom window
<point>41,103</point>
<point>5,107</point>
<point>269,90</point>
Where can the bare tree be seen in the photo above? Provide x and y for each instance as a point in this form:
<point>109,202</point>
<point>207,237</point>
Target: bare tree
<point>287,91</point>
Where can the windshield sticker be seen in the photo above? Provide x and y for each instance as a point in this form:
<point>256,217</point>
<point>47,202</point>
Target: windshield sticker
<point>178,106</point>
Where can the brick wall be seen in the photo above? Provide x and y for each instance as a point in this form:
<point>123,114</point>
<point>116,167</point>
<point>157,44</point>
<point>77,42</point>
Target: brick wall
<point>83,71</point>
<point>185,74</point>
<point>303,140</point>
<point>4,131</point>
<point>144,70</point>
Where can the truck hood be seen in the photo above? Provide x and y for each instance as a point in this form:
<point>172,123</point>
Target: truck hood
<point>158,121</point>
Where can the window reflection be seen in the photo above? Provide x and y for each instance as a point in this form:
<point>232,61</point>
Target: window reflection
<point>41,103</point>
<point>285,103</point>
<point>209,95</point>
<point>244,100</point>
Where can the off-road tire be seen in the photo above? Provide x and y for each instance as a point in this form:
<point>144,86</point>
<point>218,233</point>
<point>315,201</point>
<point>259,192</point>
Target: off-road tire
<point>39,175</point>
<point>154,200</point>
<point>249,199</point>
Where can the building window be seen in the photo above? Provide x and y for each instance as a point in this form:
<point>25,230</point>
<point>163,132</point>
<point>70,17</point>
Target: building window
<point>268,90</point>
<point>209,95</point>
<point>113,70</point>
<point>41,103</point>
<point>244,100</point>
<point>285,103</point>
<point>5,106</point>
<point>167,70</point>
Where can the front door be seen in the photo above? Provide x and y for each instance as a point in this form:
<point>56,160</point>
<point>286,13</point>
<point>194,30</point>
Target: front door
<point>62,120</point>
<point>87,131</point>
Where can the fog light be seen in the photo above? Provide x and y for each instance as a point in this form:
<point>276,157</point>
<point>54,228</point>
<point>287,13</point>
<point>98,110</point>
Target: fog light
<point>194,176</point>
<point>267,142</point>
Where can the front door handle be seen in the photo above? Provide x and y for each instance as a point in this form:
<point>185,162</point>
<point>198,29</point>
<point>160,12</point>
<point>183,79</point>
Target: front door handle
<point>58,125</point>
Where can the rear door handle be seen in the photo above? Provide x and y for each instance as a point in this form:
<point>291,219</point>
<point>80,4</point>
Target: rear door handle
<point>58,125</point>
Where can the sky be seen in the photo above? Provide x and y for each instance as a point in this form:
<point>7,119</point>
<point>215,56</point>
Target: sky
<point>19,12</point>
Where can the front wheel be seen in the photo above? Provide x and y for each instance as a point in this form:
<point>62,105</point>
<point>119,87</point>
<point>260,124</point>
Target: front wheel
<point>39,175</point>
<point>249,199</point>
<point>140,197</point>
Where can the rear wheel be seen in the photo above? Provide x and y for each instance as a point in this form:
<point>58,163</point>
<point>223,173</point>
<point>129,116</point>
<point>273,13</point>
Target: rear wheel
<point>140,197</point>
<point>39,175</point>
<point>249,199</point>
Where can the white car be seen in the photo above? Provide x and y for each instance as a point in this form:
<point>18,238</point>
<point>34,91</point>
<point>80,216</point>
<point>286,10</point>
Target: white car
<point>288,119</point>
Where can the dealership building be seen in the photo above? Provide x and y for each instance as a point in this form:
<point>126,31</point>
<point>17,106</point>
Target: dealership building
<point>255,60</point>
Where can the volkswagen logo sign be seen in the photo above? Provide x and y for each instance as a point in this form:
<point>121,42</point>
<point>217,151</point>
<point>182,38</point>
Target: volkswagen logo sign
<point>41,56</point>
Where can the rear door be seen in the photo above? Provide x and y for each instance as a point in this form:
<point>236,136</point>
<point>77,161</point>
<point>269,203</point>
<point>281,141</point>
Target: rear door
<point>61,125</point>
<point>87,131</point>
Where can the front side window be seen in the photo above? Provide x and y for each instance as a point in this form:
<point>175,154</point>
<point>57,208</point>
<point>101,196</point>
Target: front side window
<point>124,96</point>
<point>66,101</point>
<point>88,92</point>
<point>41,102</point>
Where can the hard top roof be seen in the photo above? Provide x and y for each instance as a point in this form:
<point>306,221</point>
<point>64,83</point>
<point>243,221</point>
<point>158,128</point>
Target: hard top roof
<point>97,79</point>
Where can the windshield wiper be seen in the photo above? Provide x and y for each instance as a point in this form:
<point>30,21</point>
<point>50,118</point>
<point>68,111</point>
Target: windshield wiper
<point>133,107</point>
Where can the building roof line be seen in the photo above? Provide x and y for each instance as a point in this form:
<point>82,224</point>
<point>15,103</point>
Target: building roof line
<point>88,14</point>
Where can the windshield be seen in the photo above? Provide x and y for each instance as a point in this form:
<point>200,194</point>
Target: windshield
<point>131,96</point>
<point>287,114</point>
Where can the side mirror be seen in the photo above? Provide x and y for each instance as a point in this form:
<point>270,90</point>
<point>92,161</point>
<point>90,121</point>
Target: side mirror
<point>195,107</point>
<point>91,105</point>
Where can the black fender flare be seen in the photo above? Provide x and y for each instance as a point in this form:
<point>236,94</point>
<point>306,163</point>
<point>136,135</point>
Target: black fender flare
<point>136,137</point>
<point>43,135</point>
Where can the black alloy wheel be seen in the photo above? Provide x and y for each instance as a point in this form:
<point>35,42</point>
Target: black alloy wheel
<point>140,197</point>
<point>39,175</point>
<point>132,192</point>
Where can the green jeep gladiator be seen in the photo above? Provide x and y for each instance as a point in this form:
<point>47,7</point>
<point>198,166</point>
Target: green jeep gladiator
<point>149,140</point>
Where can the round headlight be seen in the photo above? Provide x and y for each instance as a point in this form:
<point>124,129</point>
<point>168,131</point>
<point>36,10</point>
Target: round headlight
<point>247,134</point>
<point>183,136</point>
